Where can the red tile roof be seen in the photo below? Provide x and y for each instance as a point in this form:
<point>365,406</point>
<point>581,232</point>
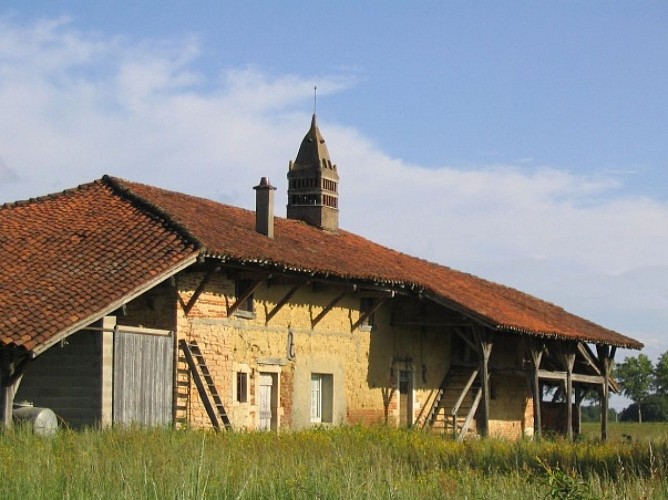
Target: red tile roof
<point>229,232</point>
<point>62,252</point>
<point>67,258</point>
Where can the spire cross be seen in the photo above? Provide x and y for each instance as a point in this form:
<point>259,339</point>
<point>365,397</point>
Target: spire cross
<point>315,98</point>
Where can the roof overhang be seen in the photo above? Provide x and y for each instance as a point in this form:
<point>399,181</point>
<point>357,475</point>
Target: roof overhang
<point>109,308</point>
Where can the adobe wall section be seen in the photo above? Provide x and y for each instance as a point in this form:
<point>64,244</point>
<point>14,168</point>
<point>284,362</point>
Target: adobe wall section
<point>363,364</point>
<point>511,409</point>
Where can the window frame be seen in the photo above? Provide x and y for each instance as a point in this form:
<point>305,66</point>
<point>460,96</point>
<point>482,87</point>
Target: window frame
<point>241,391</point>
<point>321,390</point>
<point>247,308</point>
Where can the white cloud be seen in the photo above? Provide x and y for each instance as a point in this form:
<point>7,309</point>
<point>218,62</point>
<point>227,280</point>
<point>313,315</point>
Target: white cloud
<point>75,106</point>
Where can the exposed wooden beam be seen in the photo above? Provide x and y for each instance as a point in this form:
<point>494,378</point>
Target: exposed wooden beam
<point>200,288</point>
<point>465,338</point>
<point>484,346</point>
<point>561,376</point>
<point>536,350</point>
<point>367,314</point>
<point>477,318</point>
<point>143,288</point>
<point>567,354</point>
<point>579,395</point>
<point>328,308</point>
<point>11,372</point>
<point>432,323</point>
<point>589,357</point>
<point>606,356</point>
<point>245,296</point>
<point>284,301</point>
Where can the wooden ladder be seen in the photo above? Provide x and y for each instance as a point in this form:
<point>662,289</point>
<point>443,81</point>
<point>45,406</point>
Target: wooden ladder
<point>436,405</point>
<point>205,385</point>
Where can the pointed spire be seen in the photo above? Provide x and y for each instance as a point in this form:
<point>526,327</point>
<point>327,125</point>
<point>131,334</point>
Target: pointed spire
<point>313,183</point>
<point>313,149</point>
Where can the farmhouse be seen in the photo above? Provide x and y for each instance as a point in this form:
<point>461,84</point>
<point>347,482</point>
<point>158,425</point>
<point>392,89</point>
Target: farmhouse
<point>126,303</point>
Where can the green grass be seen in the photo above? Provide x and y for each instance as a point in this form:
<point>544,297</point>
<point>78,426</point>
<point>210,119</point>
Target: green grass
<point>624,431</point>
<point>349,462</point>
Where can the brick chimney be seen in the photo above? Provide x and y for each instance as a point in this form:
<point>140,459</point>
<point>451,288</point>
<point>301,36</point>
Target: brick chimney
<point>264,207</point>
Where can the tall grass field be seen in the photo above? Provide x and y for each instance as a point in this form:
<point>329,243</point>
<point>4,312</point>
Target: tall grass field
<point>346,462</point>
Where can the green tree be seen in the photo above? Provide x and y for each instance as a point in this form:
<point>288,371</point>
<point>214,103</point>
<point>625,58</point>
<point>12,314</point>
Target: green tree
<point>654,409</point>
<point>661,375</point>
<point>636,378</point>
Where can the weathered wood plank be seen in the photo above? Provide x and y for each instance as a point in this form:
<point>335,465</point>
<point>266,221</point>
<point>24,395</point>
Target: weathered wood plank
<point>143,378</point>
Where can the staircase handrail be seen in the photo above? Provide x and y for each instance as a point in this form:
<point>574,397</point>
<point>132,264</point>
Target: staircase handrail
<point>469,417</point>
<point>467,387</point>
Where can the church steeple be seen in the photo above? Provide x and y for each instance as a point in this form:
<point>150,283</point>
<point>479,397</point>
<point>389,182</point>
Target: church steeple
<point>313,183</point>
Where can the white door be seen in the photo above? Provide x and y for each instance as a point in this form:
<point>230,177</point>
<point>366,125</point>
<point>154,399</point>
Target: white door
<point>266,385</point>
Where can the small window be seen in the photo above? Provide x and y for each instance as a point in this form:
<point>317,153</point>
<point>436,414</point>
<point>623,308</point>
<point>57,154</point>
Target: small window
<point>366,305</point>
<point>242,387</point>
<point>322,397</point>
<point>241,288</point>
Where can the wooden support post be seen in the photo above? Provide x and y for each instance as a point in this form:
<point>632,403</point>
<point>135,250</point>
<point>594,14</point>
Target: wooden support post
<point>11,372</point>
<point>568,358</point>
<point>579,395</point>
<point>8,393</point>
<point>536,351</point>
<point>606,356</point>
<point>6,404</point>
<point>484,348</point>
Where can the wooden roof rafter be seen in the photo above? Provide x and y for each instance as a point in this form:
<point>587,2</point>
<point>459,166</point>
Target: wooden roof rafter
<point>285,300</point>
<point>367,314</point>
<point>589,357</point>
<point>466,338</point>
<point>231,309</point>
<point>330,306</point>
<point>199,290</point>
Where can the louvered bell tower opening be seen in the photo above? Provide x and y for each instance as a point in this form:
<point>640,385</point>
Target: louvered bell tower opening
<point>313,182</point>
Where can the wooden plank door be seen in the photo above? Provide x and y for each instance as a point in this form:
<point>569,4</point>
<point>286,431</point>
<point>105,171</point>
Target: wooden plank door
<point>143,378</point>
<point>266,392</point>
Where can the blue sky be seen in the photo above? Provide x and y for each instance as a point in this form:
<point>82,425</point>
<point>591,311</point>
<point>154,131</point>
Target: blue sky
<point>525,142</point>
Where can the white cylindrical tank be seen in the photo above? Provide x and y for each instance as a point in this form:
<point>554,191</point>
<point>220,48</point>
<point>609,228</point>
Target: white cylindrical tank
<point>42,420</point>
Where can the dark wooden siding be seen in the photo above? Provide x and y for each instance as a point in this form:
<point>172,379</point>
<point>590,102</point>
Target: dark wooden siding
<point>67,378</point>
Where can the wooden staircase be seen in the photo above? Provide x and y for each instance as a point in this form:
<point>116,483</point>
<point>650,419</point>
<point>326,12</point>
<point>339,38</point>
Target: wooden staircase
<point>456,402</point>
<point>206,387</point>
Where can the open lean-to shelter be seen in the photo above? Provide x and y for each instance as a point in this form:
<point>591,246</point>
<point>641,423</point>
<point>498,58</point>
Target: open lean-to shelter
<point>125,303</point>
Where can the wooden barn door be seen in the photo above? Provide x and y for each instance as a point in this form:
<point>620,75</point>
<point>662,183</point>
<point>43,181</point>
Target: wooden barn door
<point>267,402</point>
<point>143,376</point>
